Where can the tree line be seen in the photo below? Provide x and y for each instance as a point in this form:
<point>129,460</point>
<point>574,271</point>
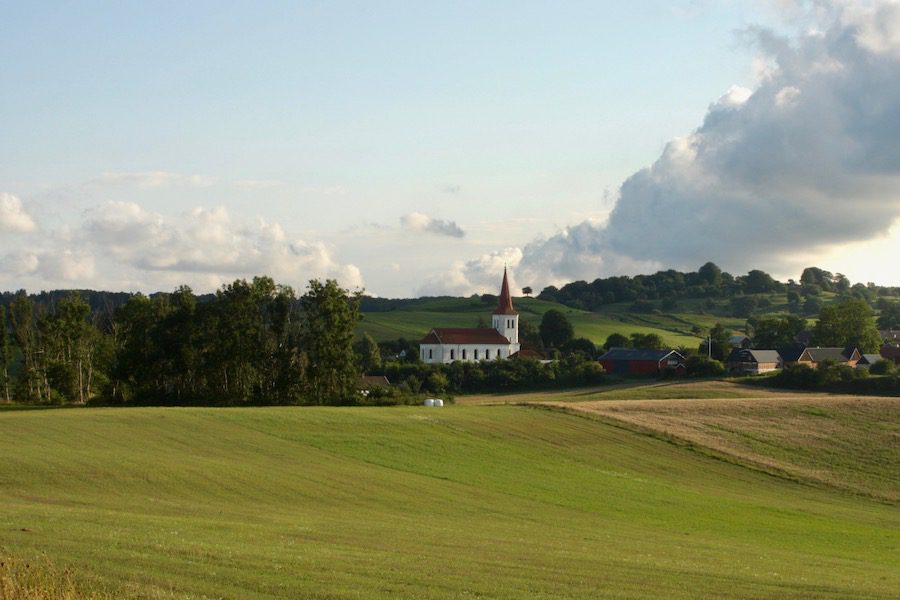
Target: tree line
<point>709,281</point>
<point>252,342</point>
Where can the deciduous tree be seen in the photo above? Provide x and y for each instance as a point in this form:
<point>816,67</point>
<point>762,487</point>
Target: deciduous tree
<point>329,315</point>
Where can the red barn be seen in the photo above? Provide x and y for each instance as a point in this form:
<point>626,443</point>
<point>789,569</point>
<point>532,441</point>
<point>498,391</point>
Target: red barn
<point>637,361</point>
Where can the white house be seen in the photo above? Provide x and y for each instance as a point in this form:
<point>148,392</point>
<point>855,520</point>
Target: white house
<point>449,344</point>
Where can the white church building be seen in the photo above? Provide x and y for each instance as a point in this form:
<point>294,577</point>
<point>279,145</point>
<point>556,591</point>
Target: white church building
<point>449,344</point>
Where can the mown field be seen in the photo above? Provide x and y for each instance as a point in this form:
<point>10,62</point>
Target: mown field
<point>499,501</point>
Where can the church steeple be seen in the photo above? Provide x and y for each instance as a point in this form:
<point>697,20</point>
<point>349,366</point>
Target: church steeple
<point>504,303</point>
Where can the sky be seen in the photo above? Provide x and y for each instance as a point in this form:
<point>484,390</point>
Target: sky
<point>417,148</point>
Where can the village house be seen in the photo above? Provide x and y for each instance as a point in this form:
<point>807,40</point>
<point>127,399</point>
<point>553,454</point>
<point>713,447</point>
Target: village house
<point>447,345</point>
<point>811,357</point>
<point>747,361</point>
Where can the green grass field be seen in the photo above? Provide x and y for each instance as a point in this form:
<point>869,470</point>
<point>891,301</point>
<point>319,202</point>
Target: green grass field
<point>414,322</point>
<point>465,501</point>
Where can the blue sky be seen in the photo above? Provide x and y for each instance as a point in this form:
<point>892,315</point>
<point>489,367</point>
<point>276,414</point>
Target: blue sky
<point>410,148</point>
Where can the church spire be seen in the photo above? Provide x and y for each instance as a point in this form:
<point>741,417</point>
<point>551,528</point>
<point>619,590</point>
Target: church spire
<point>504,304</point>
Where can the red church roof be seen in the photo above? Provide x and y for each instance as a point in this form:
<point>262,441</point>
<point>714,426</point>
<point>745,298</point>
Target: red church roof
<point>504,304</point>
<point>461,335</point>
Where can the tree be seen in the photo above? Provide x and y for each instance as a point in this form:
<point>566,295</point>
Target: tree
<point>716,345</point>
<point>527,291</point>
<point>72,347</point>
<point>581,345</point>
<point>847,324</point>
<point>329,315</point>
<point>5,355</point>
<point>710,274</point>
<point>35,384</point>
<point>890,316</point>
<point>811,306</point>
<point>368,353</point>
<point>555,329</point>
<point>743,306</point>
<point>759,282</point>
<point>647,341</point>
<point>777,331</point>
<point>616,340</point>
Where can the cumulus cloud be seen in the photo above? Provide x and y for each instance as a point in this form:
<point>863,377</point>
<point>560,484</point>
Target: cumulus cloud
<point>13,216</point>
<point>416,221</point>
<point>207,244</point>
<point>809,159</point>
<point>475,276</point>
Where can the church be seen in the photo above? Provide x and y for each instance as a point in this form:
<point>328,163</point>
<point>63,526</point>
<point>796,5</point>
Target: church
<point>447,345</point>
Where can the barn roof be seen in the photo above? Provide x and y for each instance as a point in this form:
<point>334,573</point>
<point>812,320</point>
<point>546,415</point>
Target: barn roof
<point>461,335</point>
<point>757,356</point>
<point>835,354</point>
<point>637,354</point>
<point>791,352</point>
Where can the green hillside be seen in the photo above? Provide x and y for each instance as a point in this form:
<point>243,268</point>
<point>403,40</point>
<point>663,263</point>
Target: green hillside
<point>466,501</point>
<point>415,320</point>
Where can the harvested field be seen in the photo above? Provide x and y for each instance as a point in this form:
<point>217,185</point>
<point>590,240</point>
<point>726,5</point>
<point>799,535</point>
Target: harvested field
<point>848,442</point>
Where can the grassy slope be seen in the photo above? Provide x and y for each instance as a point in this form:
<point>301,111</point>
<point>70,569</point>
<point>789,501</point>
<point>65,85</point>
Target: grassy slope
<point>415,321</point>
<point>489,501</point>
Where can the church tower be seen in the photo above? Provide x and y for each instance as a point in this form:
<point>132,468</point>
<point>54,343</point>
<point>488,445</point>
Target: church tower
<point>506,319</point>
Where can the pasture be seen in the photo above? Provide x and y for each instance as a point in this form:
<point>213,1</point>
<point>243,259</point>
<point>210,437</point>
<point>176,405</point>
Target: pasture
<point>502,501</point>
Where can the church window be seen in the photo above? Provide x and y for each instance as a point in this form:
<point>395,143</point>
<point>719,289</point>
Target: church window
<point>487,354</point>
<point>464,354</point>
<point>476,353</point>
<point>429,353</point>
<point>452,355</point>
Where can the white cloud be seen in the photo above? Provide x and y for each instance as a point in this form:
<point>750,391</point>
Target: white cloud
<point>416,221</point>
<point>475,276</point>
<point>13,216</point>
<point>807,161</point>
<point>122,243</point>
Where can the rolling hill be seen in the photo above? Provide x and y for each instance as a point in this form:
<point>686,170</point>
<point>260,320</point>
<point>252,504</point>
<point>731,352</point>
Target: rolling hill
<point>467,501</point>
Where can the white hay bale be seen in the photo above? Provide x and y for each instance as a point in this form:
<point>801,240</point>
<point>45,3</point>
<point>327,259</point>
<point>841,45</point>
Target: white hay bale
<point>429,402</point>
<point>438,402</point>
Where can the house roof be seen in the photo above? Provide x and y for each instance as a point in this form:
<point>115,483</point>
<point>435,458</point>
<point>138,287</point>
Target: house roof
<point>528,353</point>
<point>461,335</point>
<point>738,339</point>
<point>369,381</point>
<point>890,352</point>
<point>869,359</point>
<point>835,354</point>
<point>791,352</point>
<point>504,302</point>
<point>757,356</point>
<point>638,354</point>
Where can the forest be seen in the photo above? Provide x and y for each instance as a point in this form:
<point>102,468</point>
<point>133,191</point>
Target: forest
<point>251,342</point>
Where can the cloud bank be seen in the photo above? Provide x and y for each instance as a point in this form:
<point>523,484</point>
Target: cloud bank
<point>122,244</point>
<point>809,159</point>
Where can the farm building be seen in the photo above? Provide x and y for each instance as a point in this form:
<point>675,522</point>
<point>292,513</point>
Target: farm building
<point>635,361</point>
<point>889,352</point>
<point>447,345</point>
<point>739,341</point>
<point>791,353</point>
<point>743,360</point>
<point>843,356</point>
<point>867,360</point>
